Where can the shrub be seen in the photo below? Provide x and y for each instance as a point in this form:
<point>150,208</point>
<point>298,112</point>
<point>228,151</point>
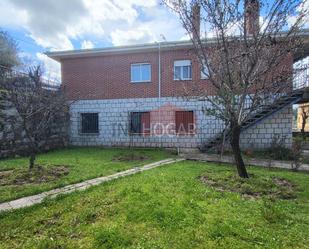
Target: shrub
<point>278,150</point>
<point>297,154</point>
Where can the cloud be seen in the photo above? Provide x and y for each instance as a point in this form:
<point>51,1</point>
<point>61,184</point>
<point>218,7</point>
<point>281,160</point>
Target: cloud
<point>87,44</point>
<point>155,22</point>
<point>59,25</point>
<point>47,21</point>
<point>53,24</point>
<point>302,8</point>
<point>51,68</point>
<point>134,36</point>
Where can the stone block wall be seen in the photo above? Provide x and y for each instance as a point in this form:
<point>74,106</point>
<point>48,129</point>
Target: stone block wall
<point>114,118</point>
<point>261,135</point>
<point>13,139</point>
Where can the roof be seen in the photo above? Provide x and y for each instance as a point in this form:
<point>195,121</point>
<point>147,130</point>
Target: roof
<point>59,55</point>
<point>118,49</point>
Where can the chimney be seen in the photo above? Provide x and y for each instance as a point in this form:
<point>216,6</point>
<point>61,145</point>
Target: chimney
<point>196,15</point>
<point>252,14</point>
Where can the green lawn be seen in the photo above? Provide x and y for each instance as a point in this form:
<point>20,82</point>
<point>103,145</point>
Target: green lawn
<point>166,207</point>
<point>83,164</point>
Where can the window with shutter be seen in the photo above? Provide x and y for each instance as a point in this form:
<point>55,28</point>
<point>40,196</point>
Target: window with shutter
<point>184,122</point>
<point>140,123</point>
<point>182,70</point>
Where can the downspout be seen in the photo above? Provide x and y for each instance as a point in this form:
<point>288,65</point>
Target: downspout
<point>159,86</point>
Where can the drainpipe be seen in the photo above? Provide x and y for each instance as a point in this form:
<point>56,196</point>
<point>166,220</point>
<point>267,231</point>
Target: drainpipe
<point>159,86</point>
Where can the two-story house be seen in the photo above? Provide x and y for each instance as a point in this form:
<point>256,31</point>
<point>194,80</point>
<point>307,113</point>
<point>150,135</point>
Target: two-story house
<point>133,95</point>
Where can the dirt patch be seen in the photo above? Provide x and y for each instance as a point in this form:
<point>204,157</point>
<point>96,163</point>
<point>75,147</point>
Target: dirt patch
<point>5,173</point>
<point>254,187</point>
<point>38,175</point>
<point>130,157</point>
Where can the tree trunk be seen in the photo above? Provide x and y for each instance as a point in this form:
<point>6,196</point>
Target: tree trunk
<point>31,161</point>
<point>235,135</point>
<point>303,125</point>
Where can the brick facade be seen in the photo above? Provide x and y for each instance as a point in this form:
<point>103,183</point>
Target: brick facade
<point>108,76</point>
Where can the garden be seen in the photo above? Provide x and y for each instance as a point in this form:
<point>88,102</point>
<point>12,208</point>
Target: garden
<point>72,165</point>
<point>187,204</point>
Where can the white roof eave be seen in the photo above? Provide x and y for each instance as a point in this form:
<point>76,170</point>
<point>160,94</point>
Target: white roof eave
<point>59,55</point>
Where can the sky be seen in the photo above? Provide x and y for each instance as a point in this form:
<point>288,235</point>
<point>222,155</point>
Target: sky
<point>53,25</point>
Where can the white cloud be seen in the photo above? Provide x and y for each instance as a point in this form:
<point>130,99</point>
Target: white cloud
<point>157,21</point>
<point>58,25</point>
<point>134,36</point>
<point>8,11</point>
<point>304,9</point>
<point>51,68</point>
<point>53,24</point>
<point>87,44</point>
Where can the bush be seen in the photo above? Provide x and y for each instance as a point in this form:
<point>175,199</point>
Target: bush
<point>278,151</point>
<point>297,154</point>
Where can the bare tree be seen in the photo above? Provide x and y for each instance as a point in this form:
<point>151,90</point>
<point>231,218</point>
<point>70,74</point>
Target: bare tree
<point>8,59</point>
<point>247,62</point>
<point>39,107</point>
<point>304,117</point>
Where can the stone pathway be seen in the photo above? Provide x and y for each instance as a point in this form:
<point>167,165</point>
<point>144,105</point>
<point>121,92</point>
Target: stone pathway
<point>254,162</point>
<point>35,199</point>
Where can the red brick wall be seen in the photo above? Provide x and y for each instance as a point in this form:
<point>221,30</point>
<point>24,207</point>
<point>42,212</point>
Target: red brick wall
<point>109,76</point>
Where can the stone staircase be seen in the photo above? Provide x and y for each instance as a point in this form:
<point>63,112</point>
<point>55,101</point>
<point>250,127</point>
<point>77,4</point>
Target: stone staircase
<point>265,111</point>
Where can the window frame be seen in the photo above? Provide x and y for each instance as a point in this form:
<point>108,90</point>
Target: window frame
<point>187,132</point>
<point>142,132</point>
<point>180,62</point>
<point>140,64</point>
<point>81,130</point>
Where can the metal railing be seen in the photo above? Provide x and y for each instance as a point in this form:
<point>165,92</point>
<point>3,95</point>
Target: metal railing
<point>301,77</point>
<point>45,83</point>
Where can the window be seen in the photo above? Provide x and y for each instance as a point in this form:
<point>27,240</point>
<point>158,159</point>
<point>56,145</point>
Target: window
<point>140,123</point>
<point>182,70</point>
<point>141,72</point>
<point>90,123</point>
<point>204,70</point>
<point>184,121</point>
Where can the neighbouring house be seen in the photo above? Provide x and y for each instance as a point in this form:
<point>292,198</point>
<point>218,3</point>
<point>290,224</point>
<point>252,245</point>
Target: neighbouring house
<point>303,108</point>
<point>133,96</point>
<point>300,115</point>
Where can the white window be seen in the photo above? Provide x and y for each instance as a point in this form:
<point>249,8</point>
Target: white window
<point>141,72</point>
<point>182,70</point>
<point>204,71</point>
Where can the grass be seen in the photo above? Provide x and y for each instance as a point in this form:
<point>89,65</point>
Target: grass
<point>257,186</point>
<point>83,164</point>
<point>285,156</point>
<point>166,207</point>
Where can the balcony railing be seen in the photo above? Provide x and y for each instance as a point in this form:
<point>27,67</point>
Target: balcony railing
<point>45,83</point>
<point>301,77</point>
